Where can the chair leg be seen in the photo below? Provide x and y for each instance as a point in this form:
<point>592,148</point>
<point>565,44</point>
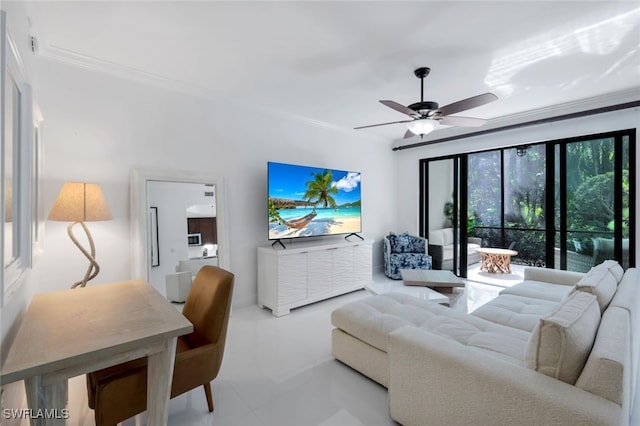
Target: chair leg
<point>207,392</point>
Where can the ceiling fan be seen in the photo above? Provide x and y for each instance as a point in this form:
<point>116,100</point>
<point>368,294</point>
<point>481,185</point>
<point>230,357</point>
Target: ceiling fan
<point>425,115</point>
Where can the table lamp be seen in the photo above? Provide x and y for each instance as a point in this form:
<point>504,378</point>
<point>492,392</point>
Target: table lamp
<point>80,202</point>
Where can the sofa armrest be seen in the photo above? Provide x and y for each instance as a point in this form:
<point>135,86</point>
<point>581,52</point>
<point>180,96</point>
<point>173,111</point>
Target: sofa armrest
<point>437,254</point>
<point>553,276</point>
<point>435,380</point>
<point>474,240</point>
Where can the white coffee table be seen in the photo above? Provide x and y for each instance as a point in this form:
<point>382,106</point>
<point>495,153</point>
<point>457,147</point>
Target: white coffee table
<point>443,281</point>
<point>424,293</point>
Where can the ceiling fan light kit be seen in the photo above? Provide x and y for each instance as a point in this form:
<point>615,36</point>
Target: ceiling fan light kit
<point>426,115</point>
<point>422,126</point>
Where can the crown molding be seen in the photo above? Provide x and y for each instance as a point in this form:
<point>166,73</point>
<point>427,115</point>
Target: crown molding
<point>95,64</point>
<point>125,72</point>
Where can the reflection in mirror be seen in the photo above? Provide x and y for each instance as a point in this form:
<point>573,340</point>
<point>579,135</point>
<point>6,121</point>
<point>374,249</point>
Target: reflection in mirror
<point>440,194</point>
<point>443,235</point>
<point>187,229</point>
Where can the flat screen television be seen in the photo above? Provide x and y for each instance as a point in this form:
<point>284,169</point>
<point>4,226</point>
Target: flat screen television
<point>310,201</point>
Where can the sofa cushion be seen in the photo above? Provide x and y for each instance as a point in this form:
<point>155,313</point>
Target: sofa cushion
<point>601,284</point>
<point>436,237</point>
<point>561,342</point>
<point>539,290</point>
<point>441,237</point>
<point>519,312</point>
<point>447,235</point>
<point>373,318</point>
<point>552,276</point>
<point>604,372</point>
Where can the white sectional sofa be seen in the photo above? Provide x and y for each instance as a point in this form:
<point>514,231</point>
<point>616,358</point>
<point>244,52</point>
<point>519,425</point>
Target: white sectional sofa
<point>559,348</point>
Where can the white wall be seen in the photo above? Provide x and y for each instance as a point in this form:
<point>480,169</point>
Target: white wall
<point>98,126</point>
<point>407,160</point>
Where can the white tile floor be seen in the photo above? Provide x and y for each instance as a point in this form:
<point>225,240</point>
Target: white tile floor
<point>276,371</point>
<point>280,372</point>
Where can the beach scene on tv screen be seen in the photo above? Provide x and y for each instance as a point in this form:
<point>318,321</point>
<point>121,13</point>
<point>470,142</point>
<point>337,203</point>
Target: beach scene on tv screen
<point>309,202</point>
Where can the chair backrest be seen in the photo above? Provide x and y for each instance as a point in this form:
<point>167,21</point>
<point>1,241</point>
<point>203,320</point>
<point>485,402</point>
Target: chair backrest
<point>404,243</point>
<point>208,306</point>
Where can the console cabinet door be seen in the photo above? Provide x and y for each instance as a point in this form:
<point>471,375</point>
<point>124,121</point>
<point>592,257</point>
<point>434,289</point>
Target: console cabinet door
<point>319,273</point>
<point>342,260</point>
<point>362,264</point>
<point>292,274</point>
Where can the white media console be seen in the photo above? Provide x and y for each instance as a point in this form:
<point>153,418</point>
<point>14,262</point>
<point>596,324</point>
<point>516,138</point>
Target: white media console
<point>304,273</point>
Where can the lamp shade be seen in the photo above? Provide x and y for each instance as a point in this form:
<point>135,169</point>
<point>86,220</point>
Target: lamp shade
<point>80,202</point>
<point>422,126</point>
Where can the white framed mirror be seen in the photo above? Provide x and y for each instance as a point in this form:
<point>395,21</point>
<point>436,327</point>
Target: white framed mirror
<point>16,144</point>
<point>148,262</point>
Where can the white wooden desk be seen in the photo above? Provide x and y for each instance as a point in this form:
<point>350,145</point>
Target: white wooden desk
<point>71,332</point>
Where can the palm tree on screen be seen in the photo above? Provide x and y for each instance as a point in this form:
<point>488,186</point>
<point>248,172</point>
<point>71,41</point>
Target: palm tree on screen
<point>319,190</point>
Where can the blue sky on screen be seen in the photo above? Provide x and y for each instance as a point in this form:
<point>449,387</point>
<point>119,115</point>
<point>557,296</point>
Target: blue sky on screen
<point>289,181</point>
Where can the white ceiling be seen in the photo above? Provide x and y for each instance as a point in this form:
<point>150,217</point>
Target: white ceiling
<point>330,62</point>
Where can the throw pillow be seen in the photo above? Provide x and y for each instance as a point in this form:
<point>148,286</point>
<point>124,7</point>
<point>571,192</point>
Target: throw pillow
<point>561,342</point>
<point>603,374</point>
<point>417,245</point>
<point>601,284</point>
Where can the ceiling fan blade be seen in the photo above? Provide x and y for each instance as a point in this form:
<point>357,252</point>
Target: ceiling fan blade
<point>401,108</point>
<point>409,134</point>
<point>382,124</point>
<point>465,104</point>
<point>462,121</point>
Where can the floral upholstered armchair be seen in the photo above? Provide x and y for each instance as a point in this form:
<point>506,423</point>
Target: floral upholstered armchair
<point>404,251</point>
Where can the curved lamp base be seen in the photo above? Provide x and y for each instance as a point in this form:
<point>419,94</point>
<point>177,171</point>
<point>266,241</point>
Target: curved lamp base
<point>94,268</point>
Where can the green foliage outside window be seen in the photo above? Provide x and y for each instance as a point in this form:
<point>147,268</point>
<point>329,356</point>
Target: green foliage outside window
<point>590,197</point>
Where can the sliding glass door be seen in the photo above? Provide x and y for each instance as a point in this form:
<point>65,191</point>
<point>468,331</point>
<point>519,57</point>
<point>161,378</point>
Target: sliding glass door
<point>593,214</point>
<point>566,204</point>
<point>507,207</point>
